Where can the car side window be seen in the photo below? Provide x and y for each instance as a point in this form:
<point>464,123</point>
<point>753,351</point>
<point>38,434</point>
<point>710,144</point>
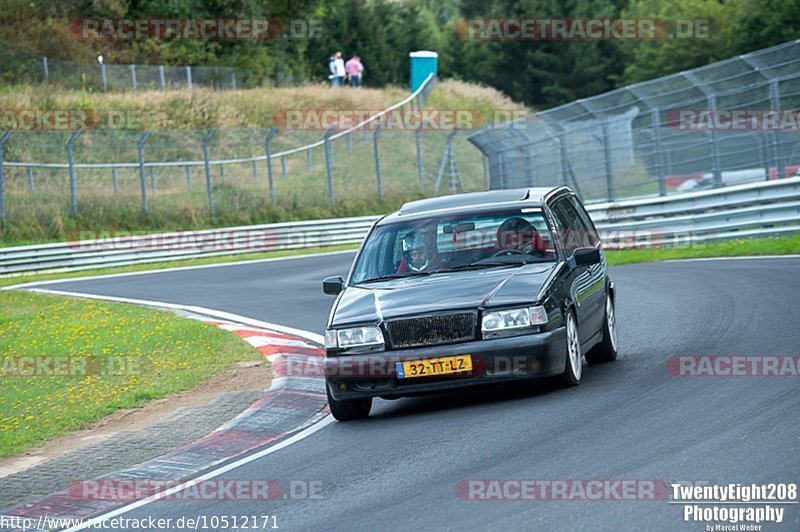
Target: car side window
<point>592,237</point>
<point>573,232</point>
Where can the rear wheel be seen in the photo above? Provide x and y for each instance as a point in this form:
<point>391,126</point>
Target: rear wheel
<point>349,409</point>
<point>573,368</point>
<point>606,350</point>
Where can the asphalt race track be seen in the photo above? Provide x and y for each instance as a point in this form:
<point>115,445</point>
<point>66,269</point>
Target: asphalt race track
<point>630,419</point>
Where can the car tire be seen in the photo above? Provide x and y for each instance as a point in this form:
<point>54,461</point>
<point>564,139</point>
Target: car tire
<point>606,350</point>
<point>349,409</point>
<point>573,368</point>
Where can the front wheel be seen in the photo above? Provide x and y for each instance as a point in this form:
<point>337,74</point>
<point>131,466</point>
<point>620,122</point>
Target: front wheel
<point>349,409</point>
<point>606,350</point>
<point>573,368</point>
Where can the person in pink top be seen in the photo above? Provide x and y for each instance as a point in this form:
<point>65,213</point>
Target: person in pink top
<point>354,70</point>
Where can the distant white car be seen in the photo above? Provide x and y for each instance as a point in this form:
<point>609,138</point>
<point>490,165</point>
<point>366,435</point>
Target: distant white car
<point>691,185</point>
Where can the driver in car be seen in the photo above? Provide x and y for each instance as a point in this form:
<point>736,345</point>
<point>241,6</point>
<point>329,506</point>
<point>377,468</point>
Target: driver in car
<point>419,251</point>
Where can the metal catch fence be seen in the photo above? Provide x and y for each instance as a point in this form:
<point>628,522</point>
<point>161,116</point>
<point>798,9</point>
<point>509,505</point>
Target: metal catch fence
<point>730,122</point>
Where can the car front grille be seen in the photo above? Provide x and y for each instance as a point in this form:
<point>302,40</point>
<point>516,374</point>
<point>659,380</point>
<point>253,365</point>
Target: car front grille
<point>432,330</point>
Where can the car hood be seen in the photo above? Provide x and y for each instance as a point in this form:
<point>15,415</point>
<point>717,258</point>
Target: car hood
<point>376,302</point>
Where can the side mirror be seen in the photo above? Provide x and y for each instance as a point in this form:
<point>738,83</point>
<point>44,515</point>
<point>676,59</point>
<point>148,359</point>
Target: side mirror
<point>333,285</point>
<point>584,257</point>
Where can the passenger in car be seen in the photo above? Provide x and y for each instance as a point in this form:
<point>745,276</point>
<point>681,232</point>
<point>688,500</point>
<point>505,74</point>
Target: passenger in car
<point>517,234</point>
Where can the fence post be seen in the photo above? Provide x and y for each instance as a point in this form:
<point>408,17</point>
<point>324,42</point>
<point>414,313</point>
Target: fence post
<point>104,77</point>
<point>268,151</point>
<point>3,140</point>
<point>46,70</point>
<point>161,81</point>
<point>30,179</point>
<point>562,160</point>
<point>221,173</point>
<point>142,179</point>
<point>255,171</point>
<point>775,101</point>
<point>446,157</point>
<point>656,120</point>
<point>377,152</point>
<point>417,141</point>
<point>188,176</point>
<point>209,189</point>
<point>133,77</point>
<point>486,181</point>
<point>283,168</point>
<point>716,166</point>
<point>114,179</point>
<point>189,76</point>
<point>73,178</point>
<point>607,162</point>
<point>529,164</point>
<point>502,162</point>
<point>329,165</point>
<point>233,79</point>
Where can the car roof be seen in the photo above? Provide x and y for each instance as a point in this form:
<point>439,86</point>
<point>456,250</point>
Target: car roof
<point>471,201</point>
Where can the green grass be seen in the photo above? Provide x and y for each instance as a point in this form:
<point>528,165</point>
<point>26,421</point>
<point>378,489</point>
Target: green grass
<point>784,245</point>
<point>131,355</point>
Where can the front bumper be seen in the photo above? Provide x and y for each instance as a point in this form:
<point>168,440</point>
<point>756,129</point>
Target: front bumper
<point>496,360</point>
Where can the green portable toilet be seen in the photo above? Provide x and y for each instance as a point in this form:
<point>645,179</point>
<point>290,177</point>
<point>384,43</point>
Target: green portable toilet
<point>423,63</point>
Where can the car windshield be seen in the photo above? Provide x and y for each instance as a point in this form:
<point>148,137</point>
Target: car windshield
<point>427,246</point>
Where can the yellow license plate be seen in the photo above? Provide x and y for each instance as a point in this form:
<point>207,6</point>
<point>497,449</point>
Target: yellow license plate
<point>434,366</point>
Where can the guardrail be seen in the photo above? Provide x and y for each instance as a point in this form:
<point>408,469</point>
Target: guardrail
<point>751,210</point>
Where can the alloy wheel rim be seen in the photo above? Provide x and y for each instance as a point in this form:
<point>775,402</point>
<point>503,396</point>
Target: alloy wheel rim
<point>574,348</point>
<point>612,322</point>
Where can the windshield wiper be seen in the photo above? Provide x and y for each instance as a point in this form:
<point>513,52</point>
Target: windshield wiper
<point>393,276</point>
<point>471,266</point>
<point>513,260</point>
<point>496,262</point>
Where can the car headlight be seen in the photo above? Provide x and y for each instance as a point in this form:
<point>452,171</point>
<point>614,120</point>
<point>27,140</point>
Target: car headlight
<point>354,337</point>
<point>518,318</point>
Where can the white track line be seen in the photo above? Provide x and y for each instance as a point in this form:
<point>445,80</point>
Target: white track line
<point>327,420</point>
<point>228,316</point>
<point>743,257</point>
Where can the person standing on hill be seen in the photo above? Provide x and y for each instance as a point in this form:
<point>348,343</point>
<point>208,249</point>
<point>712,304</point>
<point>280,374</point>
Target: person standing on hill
<point>336,66</point>
<point>354,70</point>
